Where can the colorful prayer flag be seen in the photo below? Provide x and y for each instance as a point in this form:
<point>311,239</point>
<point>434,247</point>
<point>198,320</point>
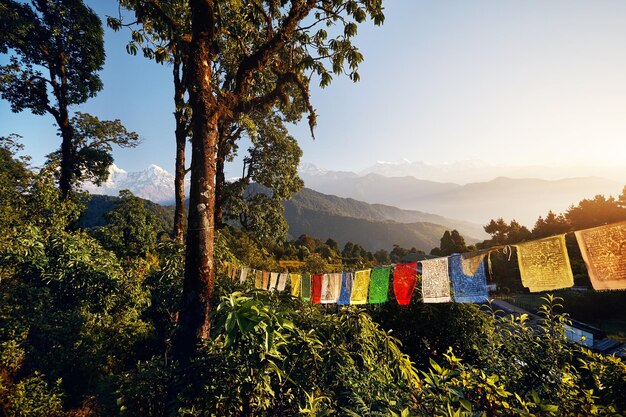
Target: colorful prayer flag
<point>604,251</point>
<point>243,275</point>
<point>435,281</point>
<point>266,280</point>
<point>273,281</point>
<point>331,288</point>
<point>346,288</point>
<point>282,282</point>
<point>295,284</point>
<point>316,288</point>
<point>469,282</point>
<point>258,279</point>
<point>544,264</point>
<point>404,279</point>
<point>305,287</point>
<point>360,286</point>
<point>379,284</point>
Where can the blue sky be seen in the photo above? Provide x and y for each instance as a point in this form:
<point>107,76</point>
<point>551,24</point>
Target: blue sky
<point>514,83</point>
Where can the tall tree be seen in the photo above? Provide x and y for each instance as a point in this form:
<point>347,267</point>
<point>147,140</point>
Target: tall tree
<point>56,51</point>
<point>271,164</point>
<point>162,37</point>
<point>244,57</point>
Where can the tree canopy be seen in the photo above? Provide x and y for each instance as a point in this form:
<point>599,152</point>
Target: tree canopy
<point>56,50</point>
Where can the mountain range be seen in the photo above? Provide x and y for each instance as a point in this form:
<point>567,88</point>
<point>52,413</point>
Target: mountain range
<point>464,172</point>
<point>523,199</point>
<point>154,184</point>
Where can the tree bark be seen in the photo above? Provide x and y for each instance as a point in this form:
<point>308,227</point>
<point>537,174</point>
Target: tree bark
<point>194,323</point>
<point>181,141</point>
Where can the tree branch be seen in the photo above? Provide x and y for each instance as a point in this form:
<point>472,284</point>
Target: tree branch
<point>259,58</point>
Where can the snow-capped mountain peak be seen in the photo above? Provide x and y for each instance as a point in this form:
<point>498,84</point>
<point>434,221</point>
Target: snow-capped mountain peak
<point>154,184</point>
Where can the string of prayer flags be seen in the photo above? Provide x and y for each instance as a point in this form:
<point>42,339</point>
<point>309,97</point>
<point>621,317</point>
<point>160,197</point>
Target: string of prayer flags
<point>316,288</point>
<point>435,281</point>
<point>544,264</point>
<point>273,281</point>
<point>379,284</point>
<point>243,275</point>
<point>258,279</point>
<point>360,286</point>
<point>604,252</point>
<point>305,287</point>
<point>404,279</point>
<point>331,288</point>
<point>346,288</point>
<point>295,284</point>
<point>469,281</point>
<point>282,282</point>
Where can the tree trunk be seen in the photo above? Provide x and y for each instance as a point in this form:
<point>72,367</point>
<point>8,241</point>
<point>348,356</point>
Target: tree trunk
<point>194,323</point>
<point>220,184</point>
<point>181,141</point>
<point>67,154</point>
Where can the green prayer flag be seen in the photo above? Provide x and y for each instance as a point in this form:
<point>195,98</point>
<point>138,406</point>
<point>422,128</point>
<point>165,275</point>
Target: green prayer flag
<point>379,284</point>
<point>305,289</point>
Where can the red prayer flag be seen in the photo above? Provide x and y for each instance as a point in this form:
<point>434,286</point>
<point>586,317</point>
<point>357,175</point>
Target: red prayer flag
<point>404,278</point>
<point>316,288</point>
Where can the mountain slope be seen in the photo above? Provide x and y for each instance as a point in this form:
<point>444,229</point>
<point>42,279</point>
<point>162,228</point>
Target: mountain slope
<point>372,235</point>
<point>348,207</point>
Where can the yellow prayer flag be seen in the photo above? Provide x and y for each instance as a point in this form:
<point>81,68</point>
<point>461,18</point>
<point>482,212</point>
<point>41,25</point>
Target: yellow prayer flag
<point>544,264</point>
<point>295,284</point>
<point>604,251</point>
<point>258,279</point>
<point>360,286</point>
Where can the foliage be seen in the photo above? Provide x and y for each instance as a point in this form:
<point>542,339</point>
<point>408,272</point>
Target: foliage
<point>272,164</point>
<point>92,146</point>
<point>56,50</point>
<point>451,242</point>
<point>131,229</point>
<point>275,355</point>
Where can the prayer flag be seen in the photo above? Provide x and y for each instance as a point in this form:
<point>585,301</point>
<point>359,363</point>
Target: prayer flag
<point>346,288</point>
<point>273,281</point>
<point>404,278</point>
<point>435,281</point>
<point>469,282</point>
<point>282,282</point>
<point>243,275</point>
<point>360,286</point>
<point>544,264</point>
<point>331,288</point>
<point>379,284</point>
<point>295,284</point>
<point>266,280</point>
<point>604,251</point>
<point>316,288</point>
<point>306,287</point>
<point>258,279</point>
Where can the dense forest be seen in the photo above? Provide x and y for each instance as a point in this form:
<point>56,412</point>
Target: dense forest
<point>133,315</point>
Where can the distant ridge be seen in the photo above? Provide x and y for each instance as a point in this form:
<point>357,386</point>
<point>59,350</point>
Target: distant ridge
<point>523,199</point>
